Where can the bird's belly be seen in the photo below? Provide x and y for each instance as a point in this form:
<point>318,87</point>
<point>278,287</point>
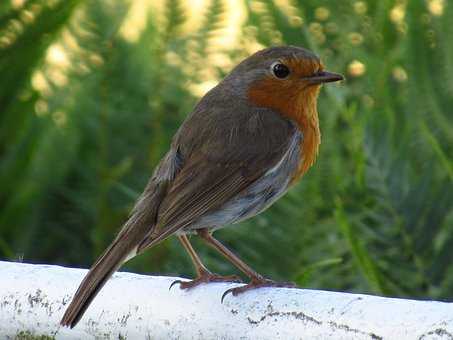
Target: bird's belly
<point>258,197</point>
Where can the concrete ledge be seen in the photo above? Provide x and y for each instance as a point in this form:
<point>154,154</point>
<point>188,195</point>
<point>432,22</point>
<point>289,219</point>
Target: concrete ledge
<point>131,306</point>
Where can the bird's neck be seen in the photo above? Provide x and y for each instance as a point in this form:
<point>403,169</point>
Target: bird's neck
<point>306,117</point>
<point>299,105</point>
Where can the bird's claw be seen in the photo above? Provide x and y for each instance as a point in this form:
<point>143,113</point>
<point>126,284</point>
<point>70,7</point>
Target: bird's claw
<point>175,282</point>
<point>254,284</point>
<point>205,278</point>
<point>231,290</point>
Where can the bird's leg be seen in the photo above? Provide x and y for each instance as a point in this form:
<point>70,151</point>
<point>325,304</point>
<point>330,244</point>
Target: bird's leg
<point>256,279</point>
<point>203,274</point>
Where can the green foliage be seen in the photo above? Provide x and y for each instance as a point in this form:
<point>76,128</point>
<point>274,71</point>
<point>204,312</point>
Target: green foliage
<point>373,215</point>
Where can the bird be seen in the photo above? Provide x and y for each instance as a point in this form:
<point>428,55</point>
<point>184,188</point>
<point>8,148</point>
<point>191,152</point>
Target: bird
<point>245,144</point>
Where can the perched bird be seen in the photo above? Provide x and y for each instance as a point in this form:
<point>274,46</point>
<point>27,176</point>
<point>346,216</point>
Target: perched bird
<point>247,141</point>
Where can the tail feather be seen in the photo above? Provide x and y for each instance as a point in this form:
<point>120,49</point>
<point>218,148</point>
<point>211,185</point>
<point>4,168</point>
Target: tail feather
<point>100,272</point>
<point>123,248</point>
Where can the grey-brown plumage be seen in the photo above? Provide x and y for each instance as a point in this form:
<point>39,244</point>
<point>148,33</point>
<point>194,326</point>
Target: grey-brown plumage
<point>229,160</point>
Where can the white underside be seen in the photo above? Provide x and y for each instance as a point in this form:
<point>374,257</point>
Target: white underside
<point>262,194</point>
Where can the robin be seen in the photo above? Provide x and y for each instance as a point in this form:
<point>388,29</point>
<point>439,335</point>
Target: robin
<point>246,142</point>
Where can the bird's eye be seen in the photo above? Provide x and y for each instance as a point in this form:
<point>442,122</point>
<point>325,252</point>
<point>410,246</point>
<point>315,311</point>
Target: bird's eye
<point>280,70</point>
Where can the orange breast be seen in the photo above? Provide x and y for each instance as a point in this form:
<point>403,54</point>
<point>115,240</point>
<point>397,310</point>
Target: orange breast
<point>297,104</point>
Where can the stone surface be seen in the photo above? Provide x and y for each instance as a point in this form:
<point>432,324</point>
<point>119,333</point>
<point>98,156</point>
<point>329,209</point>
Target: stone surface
<point>131,306</point>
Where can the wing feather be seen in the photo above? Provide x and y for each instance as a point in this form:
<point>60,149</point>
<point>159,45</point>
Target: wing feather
<point>210,177</point>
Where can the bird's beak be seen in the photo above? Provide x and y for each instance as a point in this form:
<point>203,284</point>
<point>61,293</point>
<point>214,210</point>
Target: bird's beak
<point>324,77</point>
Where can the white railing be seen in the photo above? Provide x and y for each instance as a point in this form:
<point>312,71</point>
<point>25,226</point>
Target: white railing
<point>130,306</point>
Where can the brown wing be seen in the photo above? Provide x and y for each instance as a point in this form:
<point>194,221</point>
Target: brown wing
<point>218,163</point>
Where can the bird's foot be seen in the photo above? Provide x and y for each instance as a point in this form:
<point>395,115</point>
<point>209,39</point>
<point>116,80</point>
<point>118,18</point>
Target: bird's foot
<point>206,278</point>
<point>257,283</point>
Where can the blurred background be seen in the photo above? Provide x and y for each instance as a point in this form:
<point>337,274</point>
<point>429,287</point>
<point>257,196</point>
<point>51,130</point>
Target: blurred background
<point>91,93</point>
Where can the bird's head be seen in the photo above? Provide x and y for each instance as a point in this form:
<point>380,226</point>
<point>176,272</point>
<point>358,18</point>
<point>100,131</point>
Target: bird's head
<point>286,79</point>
